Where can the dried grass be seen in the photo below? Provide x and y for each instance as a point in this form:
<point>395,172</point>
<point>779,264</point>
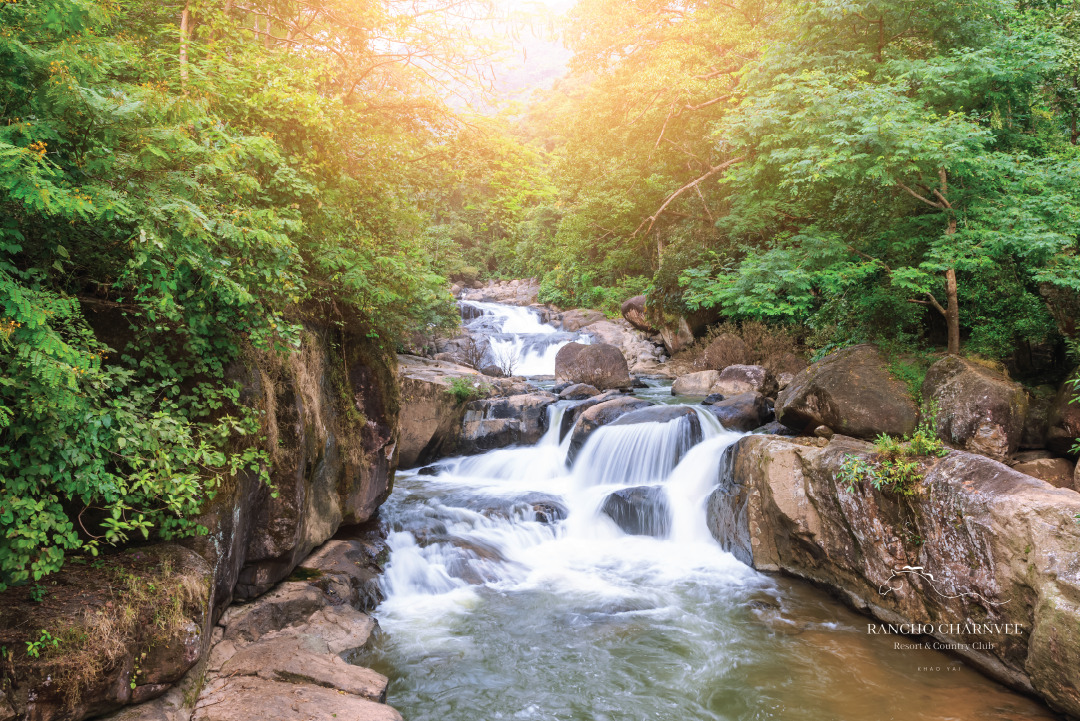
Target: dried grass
<point>765,345</point>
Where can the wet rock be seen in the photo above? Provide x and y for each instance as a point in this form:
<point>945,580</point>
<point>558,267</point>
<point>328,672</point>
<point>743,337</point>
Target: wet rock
<point>743,412</point>
<point>428,471</point>
<point>640,511</point>
<point>499,422</point>
<point>233,699</point>
<point>725,350</point>
<point>978,409</point>
<point>994,546</point>
<point>578,391</point>
<point>633,309</point>
<point>305,659</point>
<point>1058,472</point>
<point>573,410</point>
<point>599,415</point>
<point>599,365</point>
<point>574,320</point>
<point>850,391</point>
<point>736,379</point>
<point>1063,422</point>
<point>354,561</point>
<point>712,398</point>
<point>695,384</point>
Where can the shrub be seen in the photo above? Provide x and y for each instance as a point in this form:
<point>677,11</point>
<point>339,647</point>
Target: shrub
<point>466,389</point>
<point>897,465</point>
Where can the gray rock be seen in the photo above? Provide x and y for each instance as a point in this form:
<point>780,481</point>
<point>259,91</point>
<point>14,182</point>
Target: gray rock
<point>978,409</point>
<point>736,379</point>
<point>499,422</point>
<point>633,309</point>
<point>289,603</point>
<point>640,511</point>
<point>743,412</point>
<point>578,391</point>
<point>573,320</point>
<point>695,384</point>
<point>600,365</point>
<point>850,391</point>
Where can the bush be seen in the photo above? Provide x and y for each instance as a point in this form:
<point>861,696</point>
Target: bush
<point>898,465</point>
<point>466,389</point>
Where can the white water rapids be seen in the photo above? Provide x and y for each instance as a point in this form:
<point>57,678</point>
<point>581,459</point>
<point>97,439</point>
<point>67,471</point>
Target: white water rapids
<point>511,595</point>
<point>518,336</point>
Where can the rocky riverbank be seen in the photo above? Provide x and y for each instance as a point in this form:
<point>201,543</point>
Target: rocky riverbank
<point>139,625</point>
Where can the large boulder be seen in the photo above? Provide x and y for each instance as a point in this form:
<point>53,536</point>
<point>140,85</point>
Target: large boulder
<point>578,392</point>
<point>499,422</point>
<point>640,511</point>
<point>743,412</point>
<point>979,544</point>
<point>430,414</point>
<point>1058,472</point>
<point>633,309</point>
<point>600,415</point>
<point>599,365</point>
<point>572,411</point>
<point>573,320</point>
<point>736,379</point>
<point>642,355</point>
<point>695,384</point>
<point>851,392</point>
<point>978,409</point>
<point>724,350</point>
<point>1063,424</point>
<point>677,336</point>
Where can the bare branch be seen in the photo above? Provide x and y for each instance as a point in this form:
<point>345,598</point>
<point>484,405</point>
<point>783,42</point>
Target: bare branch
<point>693,183</point>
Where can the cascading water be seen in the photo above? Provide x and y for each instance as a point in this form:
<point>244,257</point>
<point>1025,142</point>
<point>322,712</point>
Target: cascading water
<point>511,594</point>
<point>516,336</point>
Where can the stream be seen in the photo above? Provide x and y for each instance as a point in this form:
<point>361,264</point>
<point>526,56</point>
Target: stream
<point>510,595</point>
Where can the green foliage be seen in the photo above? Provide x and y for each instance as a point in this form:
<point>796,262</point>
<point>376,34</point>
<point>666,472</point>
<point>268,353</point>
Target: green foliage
<point>35,648</point>
<point>465,389</point>
<point>167,201</point>
<point>897,464</point>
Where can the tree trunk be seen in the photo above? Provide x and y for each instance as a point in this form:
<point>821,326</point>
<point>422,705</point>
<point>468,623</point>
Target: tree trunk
<point>185,18</point>
<point>952,312</point>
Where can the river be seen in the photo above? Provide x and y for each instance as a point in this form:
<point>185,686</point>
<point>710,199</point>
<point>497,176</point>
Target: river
<point>509,595</point>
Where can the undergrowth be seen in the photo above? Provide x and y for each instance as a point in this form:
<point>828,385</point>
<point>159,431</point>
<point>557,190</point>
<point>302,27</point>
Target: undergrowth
<point>466,389</point>
<point>897,465</point>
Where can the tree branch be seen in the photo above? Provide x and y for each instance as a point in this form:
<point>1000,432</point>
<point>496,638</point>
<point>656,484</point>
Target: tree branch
<point>693,183</point>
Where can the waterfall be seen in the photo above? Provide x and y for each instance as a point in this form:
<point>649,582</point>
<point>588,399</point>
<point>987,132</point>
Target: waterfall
<point>514,591</point>
<point>516,337</point>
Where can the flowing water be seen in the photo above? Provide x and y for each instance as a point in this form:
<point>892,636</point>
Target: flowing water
<point>517,336</point>
<point>510,595</point>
